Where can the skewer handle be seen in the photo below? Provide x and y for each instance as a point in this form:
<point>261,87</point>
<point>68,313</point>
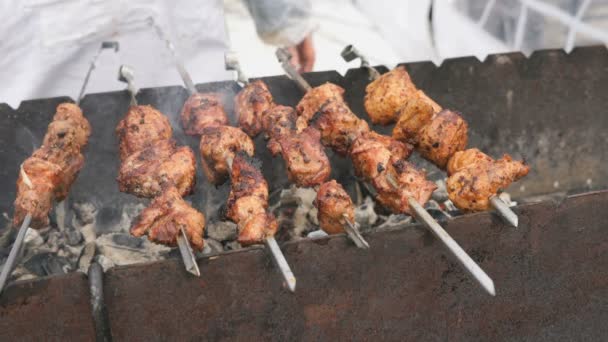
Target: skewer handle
<point>465,260</point>
<point>279,260</point>
<point>125,74</point>
<point>350,53</point>
<point>503,209</point>
<point>232,63</point>
<point>187,254</point>
<point>12,257</point>
<point>284,56</point>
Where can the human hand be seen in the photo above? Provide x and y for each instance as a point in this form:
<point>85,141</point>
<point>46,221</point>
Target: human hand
<point>303,55</point>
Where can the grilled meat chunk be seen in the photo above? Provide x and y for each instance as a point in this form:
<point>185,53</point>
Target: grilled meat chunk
<point>314,99</point>
<point>372,153</point>
<point>475,177</point>
<point>145,172</point>
<point>248,202</point>
<point>399,182</point>
<point>415,113</point>
<point>72,114</point>
<point>203,110</point>
<point>36,185</point>
<point>333,203</point>
<point>219,143</point>
<point>338,125</point>
<point>164,218</point>
<point>442,137</point>
<point>249,105</point>
<point>69,160</point>
<point>277,122</point>
<point>385,95</point>
<point>306,161</point>
<point>142,126</point>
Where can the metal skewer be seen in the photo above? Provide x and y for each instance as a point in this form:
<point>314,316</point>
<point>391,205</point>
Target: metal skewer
<point>284,56</point>
<point>12,257</point>
<point>61,206</point>
<point>125,74</point>
<point>353,233</point>
<point>350,53</point>
<point>465,260</point>
<point>179,64</point>
<point>232,63</point>
<point>277,255</point>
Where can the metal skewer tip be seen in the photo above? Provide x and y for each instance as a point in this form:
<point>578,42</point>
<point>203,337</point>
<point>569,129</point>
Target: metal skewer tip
<point>503,209</point>
<point>187,254</point>
<point>354,233</point>
<point>14,253</point>
<point>281,263</point>
<point>465,260</point>
<point>275,252</point>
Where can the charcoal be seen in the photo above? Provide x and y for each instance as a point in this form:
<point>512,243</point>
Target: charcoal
<point>222,231</point>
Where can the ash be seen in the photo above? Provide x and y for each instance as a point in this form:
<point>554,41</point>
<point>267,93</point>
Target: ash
<point>75,238</point>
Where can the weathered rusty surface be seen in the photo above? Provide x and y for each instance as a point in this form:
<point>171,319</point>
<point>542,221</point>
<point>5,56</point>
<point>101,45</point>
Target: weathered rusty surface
<point>548,273</point>
<point>50,309</point>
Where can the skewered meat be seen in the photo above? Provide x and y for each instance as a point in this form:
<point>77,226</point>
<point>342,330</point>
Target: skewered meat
<point>219,143</point>
<point>399,182</point>
<point>142,126</point>
<point>339,126</point>
<point>333,203</point>
<point>442,137</point>
<point>385,95</point>
<point>36,184</point>
<point>249,105</point>
<point>70,161</point>
<point>72,113</point>
<point>145,172</point>
<point>372,153</point>
<point>475,177</point>
<point>248,202</point>
<point>277,122</point>
<point>164,218</point>
<point>306,161</point>
<point>415,113</point>
<point>314,99</point>
<point>203,110</point>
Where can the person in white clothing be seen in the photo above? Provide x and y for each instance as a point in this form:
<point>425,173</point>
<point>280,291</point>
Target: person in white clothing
<point>47,45</point>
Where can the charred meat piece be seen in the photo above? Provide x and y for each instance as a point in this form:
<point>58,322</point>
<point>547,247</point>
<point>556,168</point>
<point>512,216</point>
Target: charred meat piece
<point>333,203</point>
<point>475,177</point>
<point>36,185</point>
<point>249,105</point>
<point>387,94</point>
<point>277,122</point>
<point>164,218</point>
<point>415,113</point>
<point>339,126</point>
<point>372,153</point>
<point>306,161</point>
<point>142,126</point>
<point>72,114</point>
<point>218,144</point>
<point>144,173</point>
<point>314,99</point>
<point>399,182</point>
<point>203,110</point>
<point>442,137</point>
<point>70,161</point>
<point>248,202</point>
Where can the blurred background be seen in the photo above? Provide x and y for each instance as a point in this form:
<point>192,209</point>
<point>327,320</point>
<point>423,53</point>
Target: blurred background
<point>47,45</point>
